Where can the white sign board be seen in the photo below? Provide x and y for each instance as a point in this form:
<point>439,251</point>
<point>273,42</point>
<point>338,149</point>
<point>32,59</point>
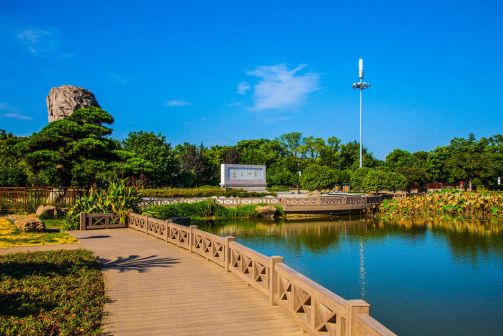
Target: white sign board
<point>248,177</point>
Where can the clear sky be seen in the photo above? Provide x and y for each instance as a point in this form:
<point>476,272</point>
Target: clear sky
<point>220,71</point>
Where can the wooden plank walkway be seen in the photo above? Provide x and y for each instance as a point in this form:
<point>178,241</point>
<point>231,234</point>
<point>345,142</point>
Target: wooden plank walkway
<point>159,289</point>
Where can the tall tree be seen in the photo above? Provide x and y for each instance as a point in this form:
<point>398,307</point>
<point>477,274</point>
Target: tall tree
<point>156,150</point>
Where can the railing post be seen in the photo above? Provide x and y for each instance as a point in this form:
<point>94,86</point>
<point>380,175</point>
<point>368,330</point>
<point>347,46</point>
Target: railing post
<point>273,278</point>
<point>355,307</point>
<point>191,236</point>
<point>167,231</point>
<point>82,221</point>
<point>227,255</point>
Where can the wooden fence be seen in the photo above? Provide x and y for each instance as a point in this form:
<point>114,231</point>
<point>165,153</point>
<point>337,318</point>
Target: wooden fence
<point>28,199</point>
<point>316,309</point>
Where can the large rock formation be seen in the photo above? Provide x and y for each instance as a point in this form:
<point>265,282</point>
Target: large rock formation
<point>64,100</point>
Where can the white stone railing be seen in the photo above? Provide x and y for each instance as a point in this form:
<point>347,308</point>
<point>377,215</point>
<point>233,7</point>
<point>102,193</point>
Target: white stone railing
<point>316,309</point>
<point>227,201</point>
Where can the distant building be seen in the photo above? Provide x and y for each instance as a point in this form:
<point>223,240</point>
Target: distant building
<point>247,177</point>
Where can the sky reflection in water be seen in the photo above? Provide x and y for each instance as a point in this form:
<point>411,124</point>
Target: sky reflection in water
<point>422,276</point>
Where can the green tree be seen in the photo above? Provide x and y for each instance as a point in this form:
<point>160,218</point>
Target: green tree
<point>350,156</point>
<point>68,143</point>
<point>291,142</point>
<point>155,150</point>
<point>469,160</point>
<point>12,168</point>
<point>278,175</point>
<point>330,154</point>
<point>407,164</point>
<point>316,177</point>
<point>357,178</point>
<point>192,165</point>
<point>311,148</point>
<point>378,180</point>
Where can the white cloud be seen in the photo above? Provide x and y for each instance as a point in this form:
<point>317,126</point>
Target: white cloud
<point>177,103</point>
<point>243,87</point>
<point>40,41</point>
<point>17,116</point>
<point>235,104</point>
<point>279,88</point>
<point>12,113</point>
<point>118,78</point>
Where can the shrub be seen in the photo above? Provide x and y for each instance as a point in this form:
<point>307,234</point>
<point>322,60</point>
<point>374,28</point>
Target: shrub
<point>204,209</point>
<point>316,177</point>
<point>376,180</point>
<point>357,178</point>
<point>51,293</point>
<point>206,191</point>
<point>117,198</point>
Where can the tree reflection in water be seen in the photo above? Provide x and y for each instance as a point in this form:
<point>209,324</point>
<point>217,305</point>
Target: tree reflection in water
<point>466,236</point>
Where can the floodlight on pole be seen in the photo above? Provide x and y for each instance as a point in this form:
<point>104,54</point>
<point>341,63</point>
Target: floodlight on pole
<point>361,85</point>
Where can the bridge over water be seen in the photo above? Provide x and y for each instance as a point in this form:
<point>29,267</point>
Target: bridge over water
<point>168,279</point>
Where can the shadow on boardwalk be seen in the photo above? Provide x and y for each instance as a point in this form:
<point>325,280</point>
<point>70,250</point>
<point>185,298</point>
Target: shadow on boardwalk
<point>137,263</point>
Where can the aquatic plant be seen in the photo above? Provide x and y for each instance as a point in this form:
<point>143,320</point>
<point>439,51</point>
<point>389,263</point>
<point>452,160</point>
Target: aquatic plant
<point>447,201</point>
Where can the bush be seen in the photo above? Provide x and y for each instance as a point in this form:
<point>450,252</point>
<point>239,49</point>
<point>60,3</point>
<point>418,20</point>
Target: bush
<point>51,293</point>
<point>206,191</point>
<point>117,198</point>
<point>357,178</point>
<point>204,210</point>
<point>316,177</point>
<point>279,175</point>
<point>377,180</point>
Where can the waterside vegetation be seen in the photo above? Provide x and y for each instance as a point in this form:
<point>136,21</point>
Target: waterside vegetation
<point>116,198</point>
<point>207,209</point>
<point>447,201</point>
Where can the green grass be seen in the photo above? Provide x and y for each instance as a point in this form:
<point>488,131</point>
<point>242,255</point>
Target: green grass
<point>206,191</point>
<point>207,209</point>
<point>11,236</point>
<point>51,293</point>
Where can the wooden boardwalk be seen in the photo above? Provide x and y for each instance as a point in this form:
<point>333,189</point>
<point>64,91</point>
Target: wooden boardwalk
<point>160,289</point>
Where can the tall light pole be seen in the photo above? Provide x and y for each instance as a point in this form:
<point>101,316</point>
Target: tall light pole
<point>361,85</point>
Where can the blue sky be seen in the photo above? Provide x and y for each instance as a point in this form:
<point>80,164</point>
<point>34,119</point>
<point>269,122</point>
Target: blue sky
<point>220,71</point>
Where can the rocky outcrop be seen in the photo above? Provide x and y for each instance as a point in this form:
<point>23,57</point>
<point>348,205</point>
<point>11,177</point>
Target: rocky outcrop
<point>265,211</point>
<point>64,100</point>
<point>30,223</point>
<point>46,212</point>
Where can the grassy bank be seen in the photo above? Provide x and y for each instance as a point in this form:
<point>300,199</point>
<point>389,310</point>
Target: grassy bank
<point>207,209</point>
<point>51,293</point>
<point>12,236</point>
<point>448,201</point>
<point>199,192</point>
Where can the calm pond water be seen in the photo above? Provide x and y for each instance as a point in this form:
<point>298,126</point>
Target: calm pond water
<point>435,276</point>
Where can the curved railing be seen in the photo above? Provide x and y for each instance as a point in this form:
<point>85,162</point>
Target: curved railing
<point>316,309</point>
<point>225,201</point>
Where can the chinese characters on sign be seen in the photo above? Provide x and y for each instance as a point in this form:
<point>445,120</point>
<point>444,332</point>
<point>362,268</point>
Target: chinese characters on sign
<point>246,174</point>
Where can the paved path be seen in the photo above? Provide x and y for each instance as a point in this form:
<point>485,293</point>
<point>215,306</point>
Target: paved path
<point>159,289</point>
<point>34,248</point>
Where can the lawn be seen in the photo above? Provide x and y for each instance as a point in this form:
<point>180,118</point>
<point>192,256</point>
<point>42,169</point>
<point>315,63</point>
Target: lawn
<point>51,293</point>
<point>11,236</point>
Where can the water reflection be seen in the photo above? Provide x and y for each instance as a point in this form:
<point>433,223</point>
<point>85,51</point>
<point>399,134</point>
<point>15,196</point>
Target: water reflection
<point>423,275</point>
<point>467,237</point>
